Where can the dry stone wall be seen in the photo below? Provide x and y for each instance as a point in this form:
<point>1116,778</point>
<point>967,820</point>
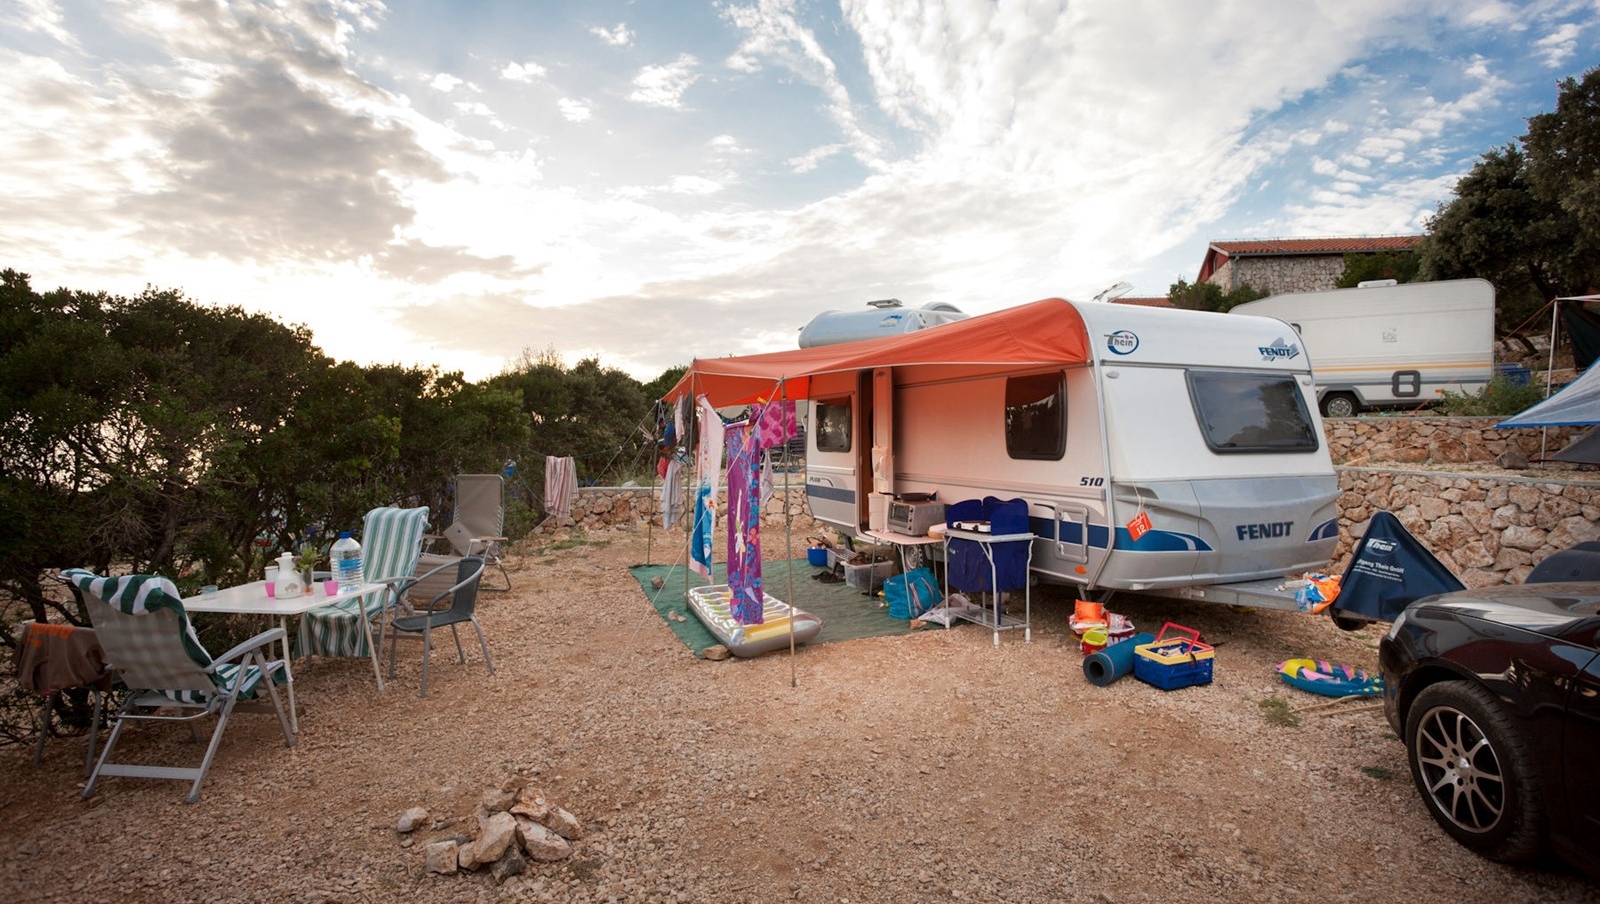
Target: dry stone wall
<point>1356,441</point>
<point>1278,275</point>
<point>635,508</point>
<point>1489,525</point>
<point>1487,529</point>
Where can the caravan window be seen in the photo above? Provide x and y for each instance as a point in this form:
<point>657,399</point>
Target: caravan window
<point>1251,412</point>
<point>1036,416</point>
<point>833,426</point>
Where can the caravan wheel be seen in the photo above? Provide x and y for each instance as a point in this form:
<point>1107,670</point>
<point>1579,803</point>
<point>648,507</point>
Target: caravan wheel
<point>1340,404</point>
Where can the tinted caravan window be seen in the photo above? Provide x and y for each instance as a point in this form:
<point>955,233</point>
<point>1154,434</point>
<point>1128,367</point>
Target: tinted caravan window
<point>833,426</point>
<point>1251,412</point>
<point>1036,416</point>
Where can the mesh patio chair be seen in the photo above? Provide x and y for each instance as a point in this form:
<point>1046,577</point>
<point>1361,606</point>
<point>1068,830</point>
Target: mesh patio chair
<point>463,596</point>
<point>147,638</point>
<point>391,541</point>
<point>479,523</point>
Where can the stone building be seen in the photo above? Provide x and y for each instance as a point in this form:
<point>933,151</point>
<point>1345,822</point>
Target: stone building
<point>1290,265</point>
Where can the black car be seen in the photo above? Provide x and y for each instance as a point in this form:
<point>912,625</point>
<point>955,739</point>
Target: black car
<point>1496,693</point>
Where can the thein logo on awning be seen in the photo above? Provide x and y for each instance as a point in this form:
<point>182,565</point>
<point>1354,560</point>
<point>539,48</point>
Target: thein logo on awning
<point>1279,350</point>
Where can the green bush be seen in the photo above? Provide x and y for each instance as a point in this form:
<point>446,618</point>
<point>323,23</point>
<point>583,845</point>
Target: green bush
<point>1501,398</point>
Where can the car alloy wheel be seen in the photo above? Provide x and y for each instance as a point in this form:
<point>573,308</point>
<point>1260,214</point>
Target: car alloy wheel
<point>1471,768</point>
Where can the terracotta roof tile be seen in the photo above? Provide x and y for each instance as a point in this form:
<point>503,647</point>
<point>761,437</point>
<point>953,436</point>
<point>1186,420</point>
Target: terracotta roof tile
<point>1318,246</point>
<point>1157,301</point>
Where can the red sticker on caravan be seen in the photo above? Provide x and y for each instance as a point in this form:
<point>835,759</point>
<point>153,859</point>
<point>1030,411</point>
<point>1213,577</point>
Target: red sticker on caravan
<point>1139,526</point>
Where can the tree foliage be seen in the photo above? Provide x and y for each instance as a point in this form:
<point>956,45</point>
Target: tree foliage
<point>1527,216</point>
<point>155,434</point>
<point>588,411</point>
<point>1210,297</point>
<point>1400,266</point>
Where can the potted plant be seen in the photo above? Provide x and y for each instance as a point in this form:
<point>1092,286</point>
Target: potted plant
<point>308,553</point>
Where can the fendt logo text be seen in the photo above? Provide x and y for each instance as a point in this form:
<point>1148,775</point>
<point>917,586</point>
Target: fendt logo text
<point>1279,350</point>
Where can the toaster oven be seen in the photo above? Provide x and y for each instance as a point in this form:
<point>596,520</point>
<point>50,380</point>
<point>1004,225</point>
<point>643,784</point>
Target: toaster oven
<point>913,518</point>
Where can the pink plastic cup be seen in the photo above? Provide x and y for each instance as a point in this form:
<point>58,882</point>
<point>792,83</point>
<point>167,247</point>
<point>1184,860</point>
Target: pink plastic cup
<point>330,587</point>
<point>272,589</point>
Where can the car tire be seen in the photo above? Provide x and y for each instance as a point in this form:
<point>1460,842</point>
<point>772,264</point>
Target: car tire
<point>1350,622</point>
<point>1474,773</point>
<point>1340,404</point>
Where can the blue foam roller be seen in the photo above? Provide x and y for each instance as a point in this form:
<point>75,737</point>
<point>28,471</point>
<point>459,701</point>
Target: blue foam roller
<point>1111,663</point>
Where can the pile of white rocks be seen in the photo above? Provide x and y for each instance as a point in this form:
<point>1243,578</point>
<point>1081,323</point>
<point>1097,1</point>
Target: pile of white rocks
<point>515,825</point>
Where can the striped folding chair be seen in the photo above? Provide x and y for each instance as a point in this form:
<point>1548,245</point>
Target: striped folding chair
<point>391,542</point>
<point>147,638</point>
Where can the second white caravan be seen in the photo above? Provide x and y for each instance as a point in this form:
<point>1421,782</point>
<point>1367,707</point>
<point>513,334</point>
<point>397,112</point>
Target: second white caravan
<point>1391,345</point>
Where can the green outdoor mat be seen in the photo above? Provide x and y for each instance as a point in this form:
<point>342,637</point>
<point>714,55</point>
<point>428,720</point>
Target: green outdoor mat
<point>846,613</point>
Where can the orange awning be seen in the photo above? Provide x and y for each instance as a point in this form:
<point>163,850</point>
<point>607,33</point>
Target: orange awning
<point>1044,333</point>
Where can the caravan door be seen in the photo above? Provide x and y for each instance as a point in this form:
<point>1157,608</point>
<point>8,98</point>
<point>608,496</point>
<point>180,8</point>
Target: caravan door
<point>837,452</point>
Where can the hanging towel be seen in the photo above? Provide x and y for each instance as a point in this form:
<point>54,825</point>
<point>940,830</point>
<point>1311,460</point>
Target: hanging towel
<point>744,526</point>
<point>708,463</point>
<point>777,424</point>
<point>672,493</point>
<point>560,484</point>
<point>700,533</point>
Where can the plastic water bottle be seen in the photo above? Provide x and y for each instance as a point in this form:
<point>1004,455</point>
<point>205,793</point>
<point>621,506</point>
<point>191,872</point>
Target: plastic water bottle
<point>346,556</point>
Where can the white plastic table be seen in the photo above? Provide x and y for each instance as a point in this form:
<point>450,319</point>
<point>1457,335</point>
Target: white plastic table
<point>252,599</point>
<point>901,542</point>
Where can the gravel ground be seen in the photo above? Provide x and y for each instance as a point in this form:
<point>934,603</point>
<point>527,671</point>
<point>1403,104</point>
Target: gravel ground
<point>926,767</point>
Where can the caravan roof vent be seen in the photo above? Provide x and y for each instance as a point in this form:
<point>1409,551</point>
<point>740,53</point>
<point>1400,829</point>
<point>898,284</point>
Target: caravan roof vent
<point>885,318</point>
<point>1377,283</point>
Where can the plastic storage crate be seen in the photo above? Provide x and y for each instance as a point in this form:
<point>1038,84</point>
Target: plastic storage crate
<point>868,576</point>
<point>1176,658</point>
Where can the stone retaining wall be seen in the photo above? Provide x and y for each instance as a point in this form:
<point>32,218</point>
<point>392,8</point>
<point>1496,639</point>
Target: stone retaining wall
<point>632,508</point>
<point>1357,441</point>
<point>1488,528</point>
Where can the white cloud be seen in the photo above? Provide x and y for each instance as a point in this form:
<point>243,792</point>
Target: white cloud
<point>522,72</point>
<point>664,85</point>
<point>1559,45</point>
<point>617,36</point>
<point>694,185</point>
<point>813,158</point>
<point>42,16</point>
<point>1010,151</point>
<point>574,110</point>
<point>772,31</point>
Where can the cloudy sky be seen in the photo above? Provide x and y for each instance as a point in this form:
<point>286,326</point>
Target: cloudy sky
<point>456,183</point>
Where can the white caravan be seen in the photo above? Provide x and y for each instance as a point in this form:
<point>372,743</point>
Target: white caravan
<point>1100,416</point>
<point>1388,345</point>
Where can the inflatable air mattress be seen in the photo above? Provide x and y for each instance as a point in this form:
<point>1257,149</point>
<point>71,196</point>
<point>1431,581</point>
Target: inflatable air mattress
<point>710,604</point>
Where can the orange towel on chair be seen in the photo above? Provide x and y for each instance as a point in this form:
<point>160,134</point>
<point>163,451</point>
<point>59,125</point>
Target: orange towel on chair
<point>53,658</point>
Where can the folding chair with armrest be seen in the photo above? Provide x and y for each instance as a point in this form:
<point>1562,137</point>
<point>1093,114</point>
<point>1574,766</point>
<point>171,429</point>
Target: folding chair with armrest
<point>463,600</point>
<point>147,638</point>
<point>478,524</point>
